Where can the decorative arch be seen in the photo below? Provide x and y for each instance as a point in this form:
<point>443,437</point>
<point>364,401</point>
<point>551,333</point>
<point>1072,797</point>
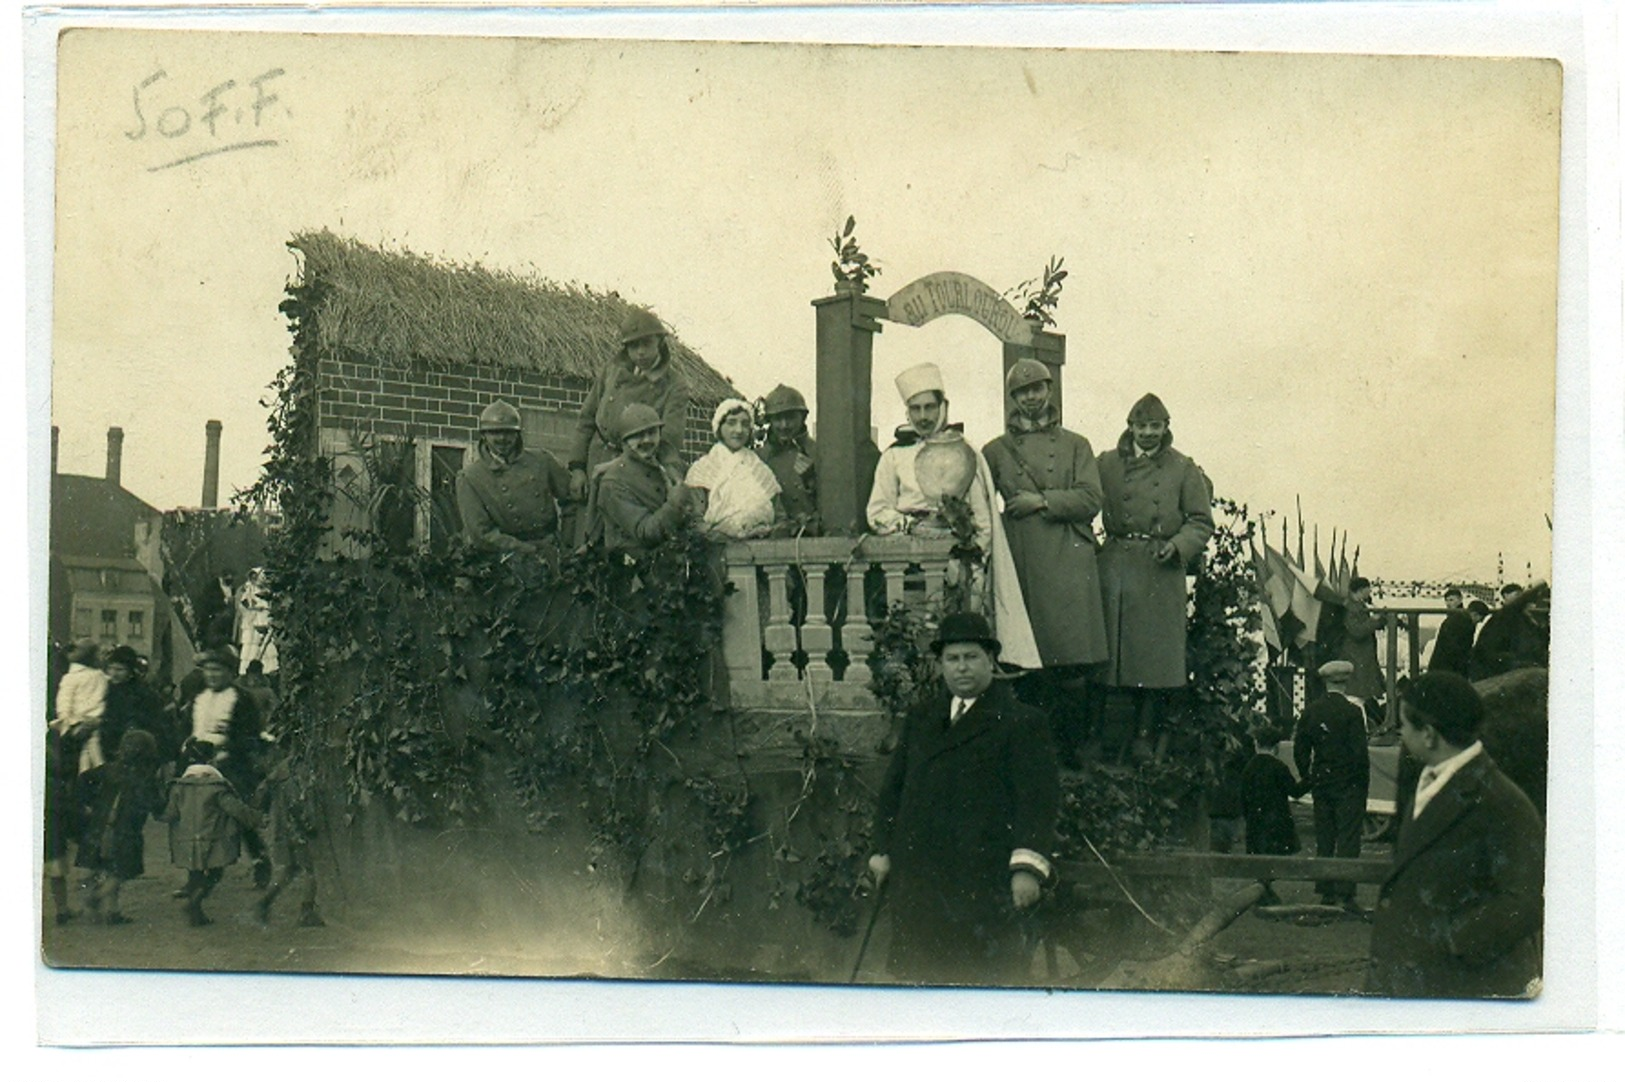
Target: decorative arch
<point>952,293</point>
<point>848,320</point>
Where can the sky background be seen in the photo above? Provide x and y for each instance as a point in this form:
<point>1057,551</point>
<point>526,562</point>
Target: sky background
<point>1338,272</point>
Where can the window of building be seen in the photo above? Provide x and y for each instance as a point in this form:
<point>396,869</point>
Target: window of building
<point>110,624</point>
<point>438,519</point>
<point>138,625</point>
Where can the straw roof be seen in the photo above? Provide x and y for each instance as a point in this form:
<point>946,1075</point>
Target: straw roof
<point>403,310</point>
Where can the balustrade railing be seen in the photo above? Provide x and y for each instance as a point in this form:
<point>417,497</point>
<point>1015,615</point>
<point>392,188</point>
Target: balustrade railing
<point>796,623</point>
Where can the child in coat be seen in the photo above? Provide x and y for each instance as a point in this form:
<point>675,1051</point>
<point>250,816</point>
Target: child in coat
<point>119,795</point>
<point>206,820</point>
<point>289,832</point>
<point>1267,789</point>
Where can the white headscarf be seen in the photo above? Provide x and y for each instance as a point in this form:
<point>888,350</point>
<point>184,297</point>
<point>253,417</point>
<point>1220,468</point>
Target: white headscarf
<point>739,484</point>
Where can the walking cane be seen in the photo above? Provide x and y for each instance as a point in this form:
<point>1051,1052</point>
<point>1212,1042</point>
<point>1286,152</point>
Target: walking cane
<point>874,915</point>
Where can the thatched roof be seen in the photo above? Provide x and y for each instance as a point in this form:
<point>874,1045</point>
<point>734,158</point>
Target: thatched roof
<point>400,309</point>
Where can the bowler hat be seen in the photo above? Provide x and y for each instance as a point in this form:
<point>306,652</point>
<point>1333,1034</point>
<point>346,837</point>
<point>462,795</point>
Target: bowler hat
<point>964,627</point>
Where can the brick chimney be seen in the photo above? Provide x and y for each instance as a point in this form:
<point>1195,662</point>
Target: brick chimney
<point>115,454</point>
<point>211,464</point>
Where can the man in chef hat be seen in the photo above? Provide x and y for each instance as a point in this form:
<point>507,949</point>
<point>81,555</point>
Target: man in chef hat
<point>907,500</point>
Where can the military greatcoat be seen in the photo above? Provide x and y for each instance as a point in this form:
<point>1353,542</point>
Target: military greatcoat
<point>629,508</point>
<point>1149,499</point>
<point>1054,549</point>
<point>509,505</point>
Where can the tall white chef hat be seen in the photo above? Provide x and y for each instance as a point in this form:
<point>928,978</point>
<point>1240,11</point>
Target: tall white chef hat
<point>920,378</point>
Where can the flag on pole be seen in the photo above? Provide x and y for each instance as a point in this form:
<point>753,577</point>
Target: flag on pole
<point>1266,606</point>
<point>1320,568</point>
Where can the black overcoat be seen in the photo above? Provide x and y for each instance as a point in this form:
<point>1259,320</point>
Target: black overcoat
<point>1459,915</point>
<point>956,804</point>
<point>1267,788</point>
<point>1453,648</point>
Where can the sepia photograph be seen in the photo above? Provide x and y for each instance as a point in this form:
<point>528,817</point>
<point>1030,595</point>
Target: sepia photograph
<point>605,511</point>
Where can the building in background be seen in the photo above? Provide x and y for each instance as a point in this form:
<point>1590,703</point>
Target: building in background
<point>404,352</point>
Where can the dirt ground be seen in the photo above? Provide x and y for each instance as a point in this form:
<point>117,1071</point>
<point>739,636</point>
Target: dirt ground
<point>1325,958</point>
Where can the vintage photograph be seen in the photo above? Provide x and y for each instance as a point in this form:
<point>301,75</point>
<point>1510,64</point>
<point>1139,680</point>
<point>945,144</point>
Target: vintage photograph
<point>815,514</point>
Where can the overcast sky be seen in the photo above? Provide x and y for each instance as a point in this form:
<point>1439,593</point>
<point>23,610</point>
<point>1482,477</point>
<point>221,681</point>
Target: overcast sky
<point>1339,272</point>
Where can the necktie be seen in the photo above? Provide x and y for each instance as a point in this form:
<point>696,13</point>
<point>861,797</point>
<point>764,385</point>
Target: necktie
<point>960,706</point>
<point>1429,775</point>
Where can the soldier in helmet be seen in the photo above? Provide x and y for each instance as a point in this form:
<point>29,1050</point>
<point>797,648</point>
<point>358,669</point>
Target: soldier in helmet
<point>789,453</point>
<point>637,500</point>
<point>1050,484</point>
<point>1158,517</point>
<point>508,496</point>
<point>641,372</point>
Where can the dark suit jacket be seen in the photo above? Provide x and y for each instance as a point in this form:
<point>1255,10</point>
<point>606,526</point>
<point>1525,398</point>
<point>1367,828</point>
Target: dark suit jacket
<point>1453,649</point>
<point>1329,747</point>
<point>1459,915</point>
<point>955,804</point>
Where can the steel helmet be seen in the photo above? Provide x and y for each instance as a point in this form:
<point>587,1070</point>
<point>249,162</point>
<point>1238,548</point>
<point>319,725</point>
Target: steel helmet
<point>1025,373</point>
<point>640,323</point>
<point>499,416</point>
<point>639,418</point>
<point>782,399</point>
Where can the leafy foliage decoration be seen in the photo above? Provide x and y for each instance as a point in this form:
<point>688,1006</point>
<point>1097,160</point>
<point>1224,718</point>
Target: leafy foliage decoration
<point>1039,297</point>
<point>851,267</point>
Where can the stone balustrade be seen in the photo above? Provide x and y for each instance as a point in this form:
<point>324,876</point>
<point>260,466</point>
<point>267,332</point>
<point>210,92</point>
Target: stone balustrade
<point>796,627</point>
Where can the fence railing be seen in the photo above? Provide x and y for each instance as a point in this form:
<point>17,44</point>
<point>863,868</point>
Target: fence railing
<point>796,625</point>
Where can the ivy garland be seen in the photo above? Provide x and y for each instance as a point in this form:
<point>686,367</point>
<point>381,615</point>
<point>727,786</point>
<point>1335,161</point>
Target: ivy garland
<point>586,681</point>
<point>1145,806</point>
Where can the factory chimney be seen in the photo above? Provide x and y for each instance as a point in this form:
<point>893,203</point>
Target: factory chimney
<point>56,434</point>
<point>115,454</point>
<point>211,465</point>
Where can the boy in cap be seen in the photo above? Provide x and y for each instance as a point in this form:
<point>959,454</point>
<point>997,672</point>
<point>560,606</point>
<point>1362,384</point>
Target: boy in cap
<point>1329,750</point>
<point>966,819</point>
<point>1158,516</point>
<point>1459,914</point>
<point>509,495</point>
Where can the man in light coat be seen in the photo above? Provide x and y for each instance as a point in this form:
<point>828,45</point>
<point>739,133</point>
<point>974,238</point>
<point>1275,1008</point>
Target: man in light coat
<point>1050,484</point>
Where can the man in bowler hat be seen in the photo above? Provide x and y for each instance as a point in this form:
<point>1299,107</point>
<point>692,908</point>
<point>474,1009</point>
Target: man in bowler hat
<point>966,820</point>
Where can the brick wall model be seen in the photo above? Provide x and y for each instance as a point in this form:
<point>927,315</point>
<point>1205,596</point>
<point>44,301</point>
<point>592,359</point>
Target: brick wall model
<point>445,403</point>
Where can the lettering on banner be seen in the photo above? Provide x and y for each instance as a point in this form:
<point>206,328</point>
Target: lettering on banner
<point>952,293</point>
